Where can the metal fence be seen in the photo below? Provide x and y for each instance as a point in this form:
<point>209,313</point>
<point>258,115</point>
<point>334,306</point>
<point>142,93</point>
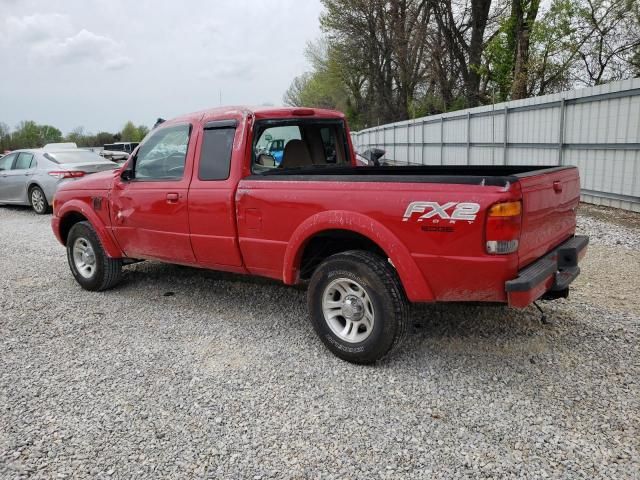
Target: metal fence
<point>596,129</point>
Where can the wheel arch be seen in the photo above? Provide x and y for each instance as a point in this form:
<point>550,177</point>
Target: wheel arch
<point>30,186</point>
<point>351,230</point>
<point>75,211</point>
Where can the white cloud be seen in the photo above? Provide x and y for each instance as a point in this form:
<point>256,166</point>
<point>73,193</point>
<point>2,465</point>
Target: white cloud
<point>49,37</point>
<point>180,59</point>
<point>118,63</point>
<point>33,29</point>
<point>230,68</point>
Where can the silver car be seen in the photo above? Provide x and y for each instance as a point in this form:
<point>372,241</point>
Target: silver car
<point>31,177</point>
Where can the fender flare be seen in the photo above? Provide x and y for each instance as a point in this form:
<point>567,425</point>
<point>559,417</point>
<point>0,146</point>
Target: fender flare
<point>109,244</point>
<point>415,285</point>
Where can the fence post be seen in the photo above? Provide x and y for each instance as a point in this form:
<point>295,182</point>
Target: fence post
<point>395,156</point>
<point>441,140</point>
<point>424,122</point>
<point>506,135</point>
<point>561,133</point>
<point>409,143</point>
<point>468,138</point>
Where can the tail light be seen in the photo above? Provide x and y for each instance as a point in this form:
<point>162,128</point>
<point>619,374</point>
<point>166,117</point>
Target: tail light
<point>68,174</point>
<point>504,221</point>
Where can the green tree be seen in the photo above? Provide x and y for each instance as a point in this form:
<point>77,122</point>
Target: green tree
<point>131,133</point>
<point>103,138</point>
<point>50,134</point>
<point>27,134</point>
<point>386,60</point>
<point>76,136</point>
<point>142,131</point>
<point>5,137</point>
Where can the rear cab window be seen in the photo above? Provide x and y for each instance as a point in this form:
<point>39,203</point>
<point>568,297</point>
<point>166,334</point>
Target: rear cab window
<point>281,145</point>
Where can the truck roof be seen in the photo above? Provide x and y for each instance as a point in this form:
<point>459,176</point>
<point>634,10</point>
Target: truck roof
<point>261,112</point>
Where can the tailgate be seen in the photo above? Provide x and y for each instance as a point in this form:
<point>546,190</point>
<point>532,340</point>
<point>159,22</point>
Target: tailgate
<point>550,199</point>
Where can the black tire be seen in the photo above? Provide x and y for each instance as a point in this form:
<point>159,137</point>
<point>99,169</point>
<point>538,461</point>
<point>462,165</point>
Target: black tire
<point>384,292</point>
<point>105,273</point>
<point>38,200</point>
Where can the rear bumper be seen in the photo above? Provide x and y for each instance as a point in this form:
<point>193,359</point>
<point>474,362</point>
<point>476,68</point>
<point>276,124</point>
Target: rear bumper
<point>549,275</point>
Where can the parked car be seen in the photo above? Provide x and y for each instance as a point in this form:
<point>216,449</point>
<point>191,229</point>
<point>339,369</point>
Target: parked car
<point>118,152</point>
<point>276,150</point>
<point>114,156</point>
<point>32,176</point>
<point>368,240</point>
<point>127,147</point>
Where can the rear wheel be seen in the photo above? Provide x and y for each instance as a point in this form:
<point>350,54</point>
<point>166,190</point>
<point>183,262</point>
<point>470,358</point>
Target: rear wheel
<point>358,306</point>
<point>90,265</point>
<point>38,200</point>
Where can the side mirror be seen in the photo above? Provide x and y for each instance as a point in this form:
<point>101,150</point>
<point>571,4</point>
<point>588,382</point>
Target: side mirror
<point>127,175</point>
<point>373,155</point>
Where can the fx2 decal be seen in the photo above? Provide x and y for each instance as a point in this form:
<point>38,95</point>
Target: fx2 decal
<point>452,211</point>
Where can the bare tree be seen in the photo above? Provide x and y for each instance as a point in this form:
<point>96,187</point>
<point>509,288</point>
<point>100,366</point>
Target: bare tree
<point>523,16</point>
<point>611,36</point>
<point>463,28</point>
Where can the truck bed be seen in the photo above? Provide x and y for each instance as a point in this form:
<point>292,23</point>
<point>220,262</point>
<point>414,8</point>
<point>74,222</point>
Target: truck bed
<point>491,175</point>
<point>284,199</point>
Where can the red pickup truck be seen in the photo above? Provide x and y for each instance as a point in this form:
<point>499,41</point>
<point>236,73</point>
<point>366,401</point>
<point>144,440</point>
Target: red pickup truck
<point>203,190</point>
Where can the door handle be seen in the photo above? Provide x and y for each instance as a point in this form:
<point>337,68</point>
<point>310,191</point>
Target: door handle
<point>557,186</point>
<point>172,197</point>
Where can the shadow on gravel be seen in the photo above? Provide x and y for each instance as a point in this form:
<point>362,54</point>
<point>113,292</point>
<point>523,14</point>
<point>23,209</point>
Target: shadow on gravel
<point>493,332</point>
<point>25,209</point>
<point>486,330</point>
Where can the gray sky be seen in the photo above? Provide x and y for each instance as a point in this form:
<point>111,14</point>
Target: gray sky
<point>96,64</point>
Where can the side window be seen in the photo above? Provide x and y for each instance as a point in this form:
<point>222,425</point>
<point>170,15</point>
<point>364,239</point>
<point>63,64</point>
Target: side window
<point>215,156</point>
<point>24,161</point>
<point>162,156</point>
<point>7,160</point>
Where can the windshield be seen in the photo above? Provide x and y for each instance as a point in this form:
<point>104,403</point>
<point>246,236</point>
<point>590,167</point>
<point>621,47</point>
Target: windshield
<point>74,156</point>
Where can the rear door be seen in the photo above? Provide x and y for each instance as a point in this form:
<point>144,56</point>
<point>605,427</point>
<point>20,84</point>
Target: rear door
<point>149,212</point>
<point>550,200</point>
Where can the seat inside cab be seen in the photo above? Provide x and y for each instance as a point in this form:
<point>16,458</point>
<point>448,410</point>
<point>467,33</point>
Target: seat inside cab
<point>295,144</point>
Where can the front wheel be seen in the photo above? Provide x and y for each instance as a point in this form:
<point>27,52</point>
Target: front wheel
<point>90,265</point>
<point>358,306</point>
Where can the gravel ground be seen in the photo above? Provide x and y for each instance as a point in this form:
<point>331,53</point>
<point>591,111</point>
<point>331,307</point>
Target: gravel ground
<point>182,373</point>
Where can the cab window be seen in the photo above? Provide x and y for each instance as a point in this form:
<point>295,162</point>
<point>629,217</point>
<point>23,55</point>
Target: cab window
<point>162,156</point>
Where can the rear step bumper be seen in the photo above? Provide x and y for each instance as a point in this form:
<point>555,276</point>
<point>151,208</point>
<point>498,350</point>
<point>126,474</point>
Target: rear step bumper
<point>549,276</point>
